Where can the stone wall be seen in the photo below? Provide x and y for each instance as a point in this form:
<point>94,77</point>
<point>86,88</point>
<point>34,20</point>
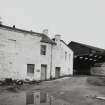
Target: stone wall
<point>59,60</point>
<point>98,69</point>
<point>17,49</point>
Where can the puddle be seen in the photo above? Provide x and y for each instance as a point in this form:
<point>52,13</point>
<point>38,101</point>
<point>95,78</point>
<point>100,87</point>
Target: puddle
<point>32,98</point>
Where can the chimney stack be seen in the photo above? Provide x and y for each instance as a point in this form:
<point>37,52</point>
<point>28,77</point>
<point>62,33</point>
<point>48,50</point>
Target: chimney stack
<point>45,31</point>
<point>57,37</point>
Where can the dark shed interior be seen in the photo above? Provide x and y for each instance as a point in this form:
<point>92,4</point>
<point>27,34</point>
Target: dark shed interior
<point>85,57</point>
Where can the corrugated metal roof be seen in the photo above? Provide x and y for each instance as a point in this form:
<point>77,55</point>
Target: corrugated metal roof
<point>88,46</point>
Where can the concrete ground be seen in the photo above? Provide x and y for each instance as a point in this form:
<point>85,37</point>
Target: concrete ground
<point>65,91</point>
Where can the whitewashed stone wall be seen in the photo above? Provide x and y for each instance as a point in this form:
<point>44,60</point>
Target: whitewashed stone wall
<point>17,49</point>
<point>59,60</point>
<point>46,59</point>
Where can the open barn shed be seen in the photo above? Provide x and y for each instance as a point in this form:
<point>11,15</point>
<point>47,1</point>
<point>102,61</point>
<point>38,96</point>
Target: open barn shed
<point>85,58</point>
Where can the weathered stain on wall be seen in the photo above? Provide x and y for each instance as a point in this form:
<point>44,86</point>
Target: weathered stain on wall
<point>20,49</point>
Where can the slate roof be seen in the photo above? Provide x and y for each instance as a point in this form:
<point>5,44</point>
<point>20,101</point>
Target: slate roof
<point>45,38</point>
<point>88,46</point>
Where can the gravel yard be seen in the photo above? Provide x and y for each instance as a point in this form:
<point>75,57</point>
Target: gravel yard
<point>79,90</point>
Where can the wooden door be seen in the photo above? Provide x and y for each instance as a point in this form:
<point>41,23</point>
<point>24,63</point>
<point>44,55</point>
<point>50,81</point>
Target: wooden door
<point>57,72</point>
<point>43,72</point>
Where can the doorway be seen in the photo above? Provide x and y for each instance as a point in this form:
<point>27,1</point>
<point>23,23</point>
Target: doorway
<point>57,72</point>
<point>43,72</point>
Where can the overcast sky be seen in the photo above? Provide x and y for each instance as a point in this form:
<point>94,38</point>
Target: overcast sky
<point>76,20</point>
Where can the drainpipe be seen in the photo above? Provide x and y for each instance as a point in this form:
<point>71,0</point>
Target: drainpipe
<point>51,63</point>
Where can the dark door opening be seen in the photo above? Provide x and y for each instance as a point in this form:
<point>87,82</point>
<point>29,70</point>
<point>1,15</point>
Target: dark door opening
<point>82,68</point>
<point>57,72</point>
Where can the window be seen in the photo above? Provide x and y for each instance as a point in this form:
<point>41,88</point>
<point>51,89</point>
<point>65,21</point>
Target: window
<point>43,50</point>
<point>30,68</point>
<point>65,55</point>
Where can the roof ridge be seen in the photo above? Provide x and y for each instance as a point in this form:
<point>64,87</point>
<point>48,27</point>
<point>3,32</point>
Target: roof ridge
<point>18,29</point>
<point>89,46</point>
<point>45,38</point>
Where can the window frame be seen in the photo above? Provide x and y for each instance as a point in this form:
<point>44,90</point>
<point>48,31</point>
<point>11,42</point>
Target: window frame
<point>43,49</point>
<point>29,67</point>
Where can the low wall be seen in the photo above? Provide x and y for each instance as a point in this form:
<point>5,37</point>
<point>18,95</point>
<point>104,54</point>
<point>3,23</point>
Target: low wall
<point>98,69</point>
